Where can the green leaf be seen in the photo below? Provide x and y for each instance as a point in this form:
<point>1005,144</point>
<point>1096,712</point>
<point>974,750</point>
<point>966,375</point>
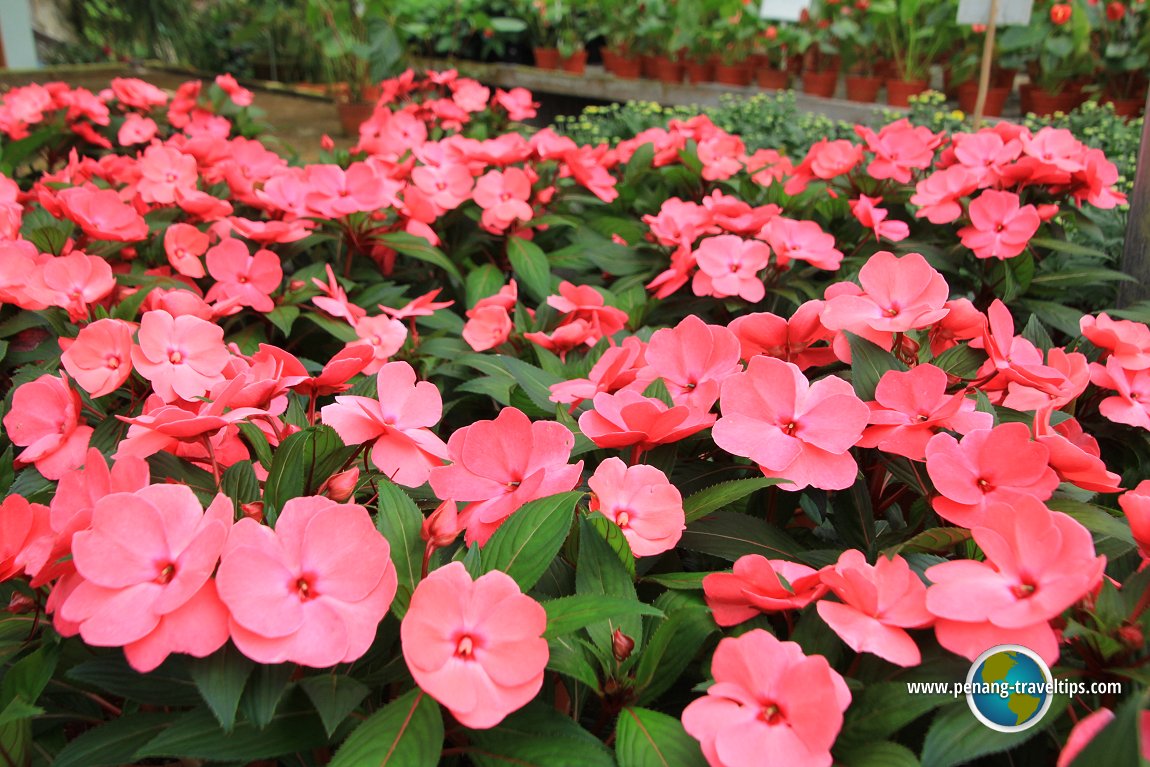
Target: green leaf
<point>615,538</point>
<point>283,317</point>
<point>535,382</point>
<point>265,690</point>
<point>166,466</point>
<point>880,754</point>
<point>300,465</point>
<point>730,535</point>
<point>27,677</point>
<point>568,614</point>
<point>408,732</point>
<point>868,364</point>
<point>678,581</point>
<point>568,655</point>
<point>884,708</point>
<point>334,696</point>
<point>934,540</point>
<point>197,735</point>
<point>1118,742</point>
<point>599,572</point>
<point>416,247</point>
<point>537,736</point>
<point>673,645</point>
<point>529,539</point>
<point>166,686</point>
<point>483,281</point>
<point>1096,519</point>
<point>531,266</point>
<point>400,521</point>
<point>113,743</point>
<point>646,738</point>
<point>259,443</point>
<point>240,484</point>
<point>957,737</point>
<point>221,678</point>
<point>717,497</point>
<point>961,361</point>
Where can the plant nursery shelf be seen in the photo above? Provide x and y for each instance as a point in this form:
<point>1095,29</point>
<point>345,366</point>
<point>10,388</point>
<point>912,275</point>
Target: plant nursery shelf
<point>595,83</point>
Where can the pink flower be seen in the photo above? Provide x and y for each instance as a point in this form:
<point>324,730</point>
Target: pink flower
<point>475,646</point>
<point>571,334</point>
<point>912,407</point>
<point>628,418</point>
<point>879,602</point>
<point>693,359</point>
<point>642,502</point>
<point>241,278</point>
<point>314,590</point>
<point>616,369</point>
<point>76,280</point>
<point>1127,342</point>
<point>729,266</point>
<point>239,95</point>
<point>938,194</point>
<point>1082,733</point>
<point>899,149</point>
<point>759,585</point>
<point>394,425</point>
<point>182,356</point>
<point>1038,563</point>
<point>987,466</point>
<point>146,564</point>
<point>899,294</point>
<point>383,335</point>
<point>583,302</point>
<point>136,129</point>
<point>768,698</point>
<point>999,227</point>
<point>136,93</point>
<point>165,172</point>
<point>793,429</point>
<point>874,218</point>
<point>487,327</point>
<point>504,196</point>
<point>517,102</point>
<point>99,359</point>
<point>825,160</point>
<point>1136,505</point>
<point>500,465</point>
<point>1074,454</point>
<point>448,185</point>
<point>25,529</point>
<point>184,244</point>
<point>802,241</point>
<point>790,340</point>
<point>45,420</point>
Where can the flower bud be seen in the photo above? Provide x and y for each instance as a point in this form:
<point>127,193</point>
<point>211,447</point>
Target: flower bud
<point>253,510</point>
<point>442,526</point>
<point>326,143</point>
<point>20,603</point>
<point>340,487</point>
<point>1131,635</point>
<point>621,645</point>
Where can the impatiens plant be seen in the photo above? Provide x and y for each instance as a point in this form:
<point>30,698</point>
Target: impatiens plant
<point>477,445</point>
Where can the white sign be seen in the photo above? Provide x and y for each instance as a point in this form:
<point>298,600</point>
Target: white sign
<point>1010,12</point>
<point>783,10</point>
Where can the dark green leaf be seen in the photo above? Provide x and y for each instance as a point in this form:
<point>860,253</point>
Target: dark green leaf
<point>600,573</point>
<point>530,265</point>
<point>717,497</point>
<point>283,317</point>
<point>113,743</point>
<point>568,655</point>
<point>1118,742</point>
<point>334,696</point>
<point>529,539</point>
<point>537,736</point>
<point>961,361</point>
<point>880,754</point>
<point>300,465</point>
<point>645,738</point>
<point>956,737</point>
<point>677,581</point>
<point>868,364</point>
<point>730,535</point>
<point>416,247</point>
<point>197,735</point>
<point>168,685</point>
<point>400,520</point>
<point>884,708</point>
<point>933,540</point>
<point>408,732</point>
<point>265,690</point>
<point>615,538</point>
<point>673,645</point>
<point>240,484</point>
<point>483,281</point>
<point>536,383</point>
<point>221,678</point>
<point>572,613</point>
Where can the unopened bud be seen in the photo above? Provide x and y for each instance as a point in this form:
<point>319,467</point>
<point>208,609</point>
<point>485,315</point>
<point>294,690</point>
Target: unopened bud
<point>442,526</point>
<point>326,143</point>
<point>21,603</point>
<point>340,487</point>
<point>621,645</point>
<point>1132,636</point>
<point>253,510</point>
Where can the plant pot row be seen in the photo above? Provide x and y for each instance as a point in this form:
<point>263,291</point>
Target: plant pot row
<point>550,58</point>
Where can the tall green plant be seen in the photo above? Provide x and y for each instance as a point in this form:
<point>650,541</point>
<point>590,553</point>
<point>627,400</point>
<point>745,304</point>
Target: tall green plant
<point>916,32</point>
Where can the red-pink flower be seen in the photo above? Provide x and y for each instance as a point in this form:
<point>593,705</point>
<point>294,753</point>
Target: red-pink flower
<point>146,563</point>
<point>1083,732</point>
<point>825,160</point>
<point>693,359</point>
<point>642,502</point>
<point>475,646</point>
<point>76,280</point>
<point>25,536</point>
<point>239,95</point>
<point>865,210</point>
<point>1136,505</point>
<point>911,407</point>
<point>583,302</point>
<point>501,464</point>
<point>165,173</point>
<point>628,418</point>
<point>790,340</point>
<point>793,429</point>
<point>899,148</point>
<point>879,602</point>
<point>242,278</point>
<point>1038,563</point>
<point>395,425</point>
<point>617,368</point>
<point>988,465</point>
<point>938,194</point>
<point>383,335</point>
<point>504,198</point>
<point>314,590</point>
<point>1000,227</point>
<point>899,294</point>
<point>517,102</point>
<point>184,244</point>
<point>99,359</point>
<point>1126,341</point>
<point>769,701</point>
<point>759,585</point>
<point>182,356</point>
<point>45,421</point>
<point>729,266</point>
<point>1074,454</point>
<point>802,241</point>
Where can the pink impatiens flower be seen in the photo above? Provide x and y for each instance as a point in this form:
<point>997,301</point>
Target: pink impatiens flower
<point>1038,563</point>
<point>759,585</point>
<point>1126,341</point>
<point>243,278</point>
<point>501,464</point>
<point>642,502</point>
<point>899,294</point>
<point>45,421</point>
<point>879,602</point>
<point>1000,227</point>
<point>314,590</point>
<point>383,335</point>
<point>476,646</point>
<point>627,418</point>
<point>583,302</point>
<point>769,698</point>
<point>184,244</point>
<point>693,359</point>
<point>182,356</point>
<point>729,266</point>
<point>395,425</point>
<point>793,429</point>
<point>146,564</point>
<point>25,536</point>
<point>99,359</point>
<point>504,198</point>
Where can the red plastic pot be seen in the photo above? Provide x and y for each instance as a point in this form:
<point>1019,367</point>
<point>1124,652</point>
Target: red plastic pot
<point>863,89</point>
<point>898,92</point>
<point>820,83</point>
<point>772,79</point>
<point>547,58</point>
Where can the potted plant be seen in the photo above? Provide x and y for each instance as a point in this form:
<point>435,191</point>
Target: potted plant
<point>775,44</point>
<point>1058,42</point>
<point>701,23</point>
<point>855,27</point>
<point>736,33</point>
<point>820,58</point>
<point>914,33</point>
<point>620,29</point>
<point>360,49</point>
<point>544,20</point>
<point>1120,40</point>
<point>964,66</point>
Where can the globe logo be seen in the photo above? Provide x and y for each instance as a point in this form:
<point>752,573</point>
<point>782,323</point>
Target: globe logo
<point>1009,688</point>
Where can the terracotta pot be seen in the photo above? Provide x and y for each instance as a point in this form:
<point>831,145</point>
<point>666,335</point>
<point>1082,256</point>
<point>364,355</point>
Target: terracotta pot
<point>351,114</point>
<point>576,63</point>
<point>863,89</point>
<point>820,83</point>
<point>1004,78</point>
<point>609,59</point>
<point>733,74</point>
<point>547,58</point>
<point>1126,107</point>
<point>628,67</point>
<point>772,79</point>
<point>666,69</point>
<point>995,99</point>
<point>1044,103</point>
<point>898,92</point>
<point>699,72</point>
